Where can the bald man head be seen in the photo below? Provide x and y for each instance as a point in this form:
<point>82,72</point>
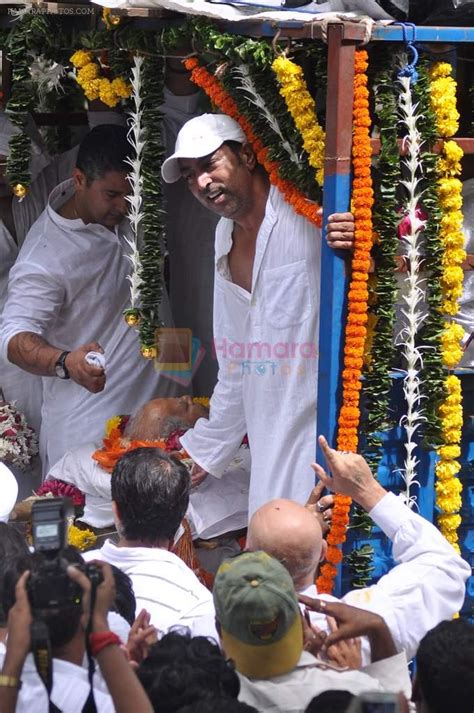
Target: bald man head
<point>290,533</point>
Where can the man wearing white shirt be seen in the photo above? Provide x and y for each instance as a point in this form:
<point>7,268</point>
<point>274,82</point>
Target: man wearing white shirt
<point>67,291</point>
<point>266,313</point>
<point>428,568</point>
<point>150,495</point>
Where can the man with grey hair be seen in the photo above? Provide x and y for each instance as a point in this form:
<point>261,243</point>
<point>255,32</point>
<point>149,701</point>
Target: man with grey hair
<point>266,313</point>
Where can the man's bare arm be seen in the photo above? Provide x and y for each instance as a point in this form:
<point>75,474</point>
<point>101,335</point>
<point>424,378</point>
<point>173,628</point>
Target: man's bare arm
<point>34,354</point>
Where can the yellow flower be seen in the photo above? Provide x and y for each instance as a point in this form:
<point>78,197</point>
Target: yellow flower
<point>91,89</point>
<point>82,539</point>
<point>302,108</point>
<point>112,423</point>
<point>443,99</point>
<point>203,400</point>
<point>81,58</point>
<point>88,72</point>
<point>447,469</point>
<point>107,94</point>
<point>121,88</point>
<point>449,452</point>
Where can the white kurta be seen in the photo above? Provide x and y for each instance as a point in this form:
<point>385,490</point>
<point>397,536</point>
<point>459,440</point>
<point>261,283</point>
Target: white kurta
<point>266,345</point>
<point>69,285</point>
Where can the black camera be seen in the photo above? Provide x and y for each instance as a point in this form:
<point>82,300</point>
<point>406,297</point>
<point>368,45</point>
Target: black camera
<point>50,587</point>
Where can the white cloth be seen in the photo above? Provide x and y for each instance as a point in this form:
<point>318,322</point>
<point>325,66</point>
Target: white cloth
<point>465,316</point>
<point>216,506</point>
<point>424,588</point>
<point>163,585</point>
<point>292,692</point>
<point>266,344</point>
<point>69,693</point>
<point>69,284</point>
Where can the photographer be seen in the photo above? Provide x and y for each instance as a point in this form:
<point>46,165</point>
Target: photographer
<point>66,627</point>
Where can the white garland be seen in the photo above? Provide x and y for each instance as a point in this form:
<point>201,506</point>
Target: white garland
<point>413,300</point>
<point>248,86</point>
<point>18,441</point>
<point>135,178</point>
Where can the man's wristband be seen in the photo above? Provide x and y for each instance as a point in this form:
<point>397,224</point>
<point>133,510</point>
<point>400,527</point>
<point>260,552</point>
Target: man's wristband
<point>10,682</point>
<point>99,640</point>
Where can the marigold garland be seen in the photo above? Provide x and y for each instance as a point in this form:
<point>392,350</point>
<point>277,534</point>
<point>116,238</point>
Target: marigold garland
<point>302,108</point>
<point>111,92</point>
<point>349,416</point>
<point>220,97</point>
<point>448,486</point>
<point>81,539</point>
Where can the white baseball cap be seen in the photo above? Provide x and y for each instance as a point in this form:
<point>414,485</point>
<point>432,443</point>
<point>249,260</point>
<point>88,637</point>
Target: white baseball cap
<point>8,492</point>
<point>199,137</point>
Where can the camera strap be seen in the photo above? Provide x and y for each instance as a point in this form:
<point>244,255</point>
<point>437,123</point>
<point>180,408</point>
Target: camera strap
<point>41,648</point>
<point>90,705</point>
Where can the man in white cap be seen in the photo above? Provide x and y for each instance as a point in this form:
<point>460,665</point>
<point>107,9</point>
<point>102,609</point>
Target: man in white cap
<point>266,313</point>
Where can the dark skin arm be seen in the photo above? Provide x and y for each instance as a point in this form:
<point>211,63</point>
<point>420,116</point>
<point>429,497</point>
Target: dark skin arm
<point>34,354</point>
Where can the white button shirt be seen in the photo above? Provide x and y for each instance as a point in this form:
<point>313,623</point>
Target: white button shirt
<point>266,345</point>
<point>69,284</point>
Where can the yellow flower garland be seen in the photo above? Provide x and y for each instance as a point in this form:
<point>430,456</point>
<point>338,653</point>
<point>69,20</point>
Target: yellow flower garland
<point>448,486</point>
<point>81,539</point>
<point>302,108</point>
<point>97,87</point>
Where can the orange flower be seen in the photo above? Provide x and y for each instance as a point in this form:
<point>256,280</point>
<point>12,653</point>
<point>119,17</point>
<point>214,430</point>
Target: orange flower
<point>349,415</point>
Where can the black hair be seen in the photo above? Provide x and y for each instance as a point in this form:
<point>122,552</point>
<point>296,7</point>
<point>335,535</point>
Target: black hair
<point>445,667</point>
<point>181,670</point>
<point>12,545</point>
<point>213,704</point>
<point>105,148</point>
<point>330,702</point>
<point>62,623</point>
<point>124,602</point>
<point>151,491</point>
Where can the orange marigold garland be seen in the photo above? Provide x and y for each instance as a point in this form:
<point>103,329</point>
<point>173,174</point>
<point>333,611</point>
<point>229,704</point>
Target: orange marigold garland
<point>222,99</point>
<point>356,329</point>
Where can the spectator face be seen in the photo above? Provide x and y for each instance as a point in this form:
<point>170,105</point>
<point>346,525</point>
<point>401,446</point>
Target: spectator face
<point>102,200</point>
<point>221,181</point>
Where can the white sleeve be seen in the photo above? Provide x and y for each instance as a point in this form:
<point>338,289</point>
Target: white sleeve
<point>213,442</point>
<point>34,301</point>
<point>392,674</point>
<point>428,584</point>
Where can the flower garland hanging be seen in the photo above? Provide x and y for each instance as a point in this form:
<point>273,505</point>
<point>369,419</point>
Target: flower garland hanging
<point>411,235</point>
<point>448,486</point>
<point>220,97</point>
<point>377,384</point>
<point>302,108</point>
<point>95,86</point>
<point>153,222</point>
<point>355,332</point>
<point>18,441</point>
<point>135,214</point>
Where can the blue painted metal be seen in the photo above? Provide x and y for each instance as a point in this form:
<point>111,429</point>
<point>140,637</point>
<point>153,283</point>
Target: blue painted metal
<point>332,310</point>
<point>394,33</point>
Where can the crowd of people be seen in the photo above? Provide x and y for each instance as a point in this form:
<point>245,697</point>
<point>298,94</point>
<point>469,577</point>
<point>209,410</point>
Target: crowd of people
<point>130,626</point>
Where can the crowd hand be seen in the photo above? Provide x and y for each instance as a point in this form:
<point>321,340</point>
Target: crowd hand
<point>340,231</point>
<point>346,653</point>
<point>19,624</point>
<point>198,475</point>
<point>90,377</point>
<point>313,637</point>
<point>353,622</point>
<point>321,507</point>
<point>141,637</point>
<point>104,597</point>
<point>351,476</point>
